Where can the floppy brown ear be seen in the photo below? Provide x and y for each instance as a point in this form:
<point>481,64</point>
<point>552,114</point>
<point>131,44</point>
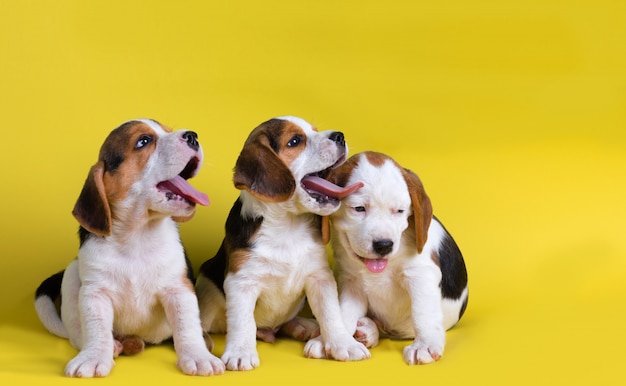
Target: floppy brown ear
<point>92,208</point>
<point>422,208</point>
<point>260,172</point>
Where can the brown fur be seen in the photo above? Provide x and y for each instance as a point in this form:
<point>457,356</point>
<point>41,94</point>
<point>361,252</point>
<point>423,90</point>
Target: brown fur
<point>237,259</point>
<point>260,170</point>
<point>422,208</point>
<point>421,205</point>
<point>377,159</point>
<point>110,179</point>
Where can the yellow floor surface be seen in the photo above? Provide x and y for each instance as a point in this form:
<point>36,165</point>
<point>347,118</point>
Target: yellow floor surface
<point>512,112</point>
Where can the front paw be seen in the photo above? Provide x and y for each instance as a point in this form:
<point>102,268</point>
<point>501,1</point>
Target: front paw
<point>240,359</point>
<point>88,364</point>
<point>314,348</point>
<point>340,349</point>
<point>200,363</point>
<point>424,350</point>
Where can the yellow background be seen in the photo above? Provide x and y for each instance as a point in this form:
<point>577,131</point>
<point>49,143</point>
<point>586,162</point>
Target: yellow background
<point>512,112</point>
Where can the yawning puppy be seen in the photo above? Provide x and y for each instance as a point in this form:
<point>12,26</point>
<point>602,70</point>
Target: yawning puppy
<point>131,282</point>
<point>398,268</point>
<point>273,254</point>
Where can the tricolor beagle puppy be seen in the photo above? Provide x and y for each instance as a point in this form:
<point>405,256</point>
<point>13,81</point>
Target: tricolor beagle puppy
<point>399,271</point>
<point>131,282</point>
<point>273,254</point>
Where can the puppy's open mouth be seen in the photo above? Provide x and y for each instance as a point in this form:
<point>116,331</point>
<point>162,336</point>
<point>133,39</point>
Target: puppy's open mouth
<point>178,188</point>
<point>324,191</point>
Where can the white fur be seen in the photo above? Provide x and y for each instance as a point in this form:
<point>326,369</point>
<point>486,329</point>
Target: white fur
<point>405,298</point>
<point>298,121</point>
<point>131,283</point>
<point>287,261</point>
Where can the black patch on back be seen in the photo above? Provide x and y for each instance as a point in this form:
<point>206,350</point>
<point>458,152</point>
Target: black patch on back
<point>453,270</point>
<point>239,231</point>
<point>215,268</point>
<point>51,287</point>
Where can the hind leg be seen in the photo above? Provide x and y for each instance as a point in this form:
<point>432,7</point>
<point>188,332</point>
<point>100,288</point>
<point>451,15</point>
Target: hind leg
<point>128,345</point>
<point>70,313</point>
<point>212,306</point>
<point>301,329</point>
<point>267,335</point>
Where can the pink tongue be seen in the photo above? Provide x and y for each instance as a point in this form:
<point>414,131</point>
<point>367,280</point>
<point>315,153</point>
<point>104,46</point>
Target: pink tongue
<point>376,265</point>
<point>329,189</point>
<point>181,187</point>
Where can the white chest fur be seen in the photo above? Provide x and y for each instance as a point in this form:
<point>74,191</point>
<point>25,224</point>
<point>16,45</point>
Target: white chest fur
<point>281,265</point>
<point>132,274</point>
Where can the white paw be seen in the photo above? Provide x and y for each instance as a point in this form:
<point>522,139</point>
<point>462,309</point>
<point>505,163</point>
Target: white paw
<point>367,332</point>
<point>200,363</point>
<point>88,364</point>
<point>314,348</point>
<point>342,350</point>
<point>424,351</point>
<point>347,350</point>
<point>240,359</point>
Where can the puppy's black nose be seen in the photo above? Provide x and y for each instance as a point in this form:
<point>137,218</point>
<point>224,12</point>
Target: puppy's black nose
<point>192,140</point>
<point>337,137</point>
<point>382,247</point>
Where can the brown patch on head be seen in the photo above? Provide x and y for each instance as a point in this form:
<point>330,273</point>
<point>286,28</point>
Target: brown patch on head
<point>123,156</point>
<point>420,202</point>
<point>341,175</point>
<point>123,160</point>
<point>262,166</point>
<point>377,159</point>
<point>290,142</point>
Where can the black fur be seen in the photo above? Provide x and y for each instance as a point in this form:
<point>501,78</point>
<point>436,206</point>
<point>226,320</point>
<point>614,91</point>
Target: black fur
<point>239,231</point>
<point>274,129</point>
<point>83,235</point>
<point>453,270</point>
<point>51,287</point>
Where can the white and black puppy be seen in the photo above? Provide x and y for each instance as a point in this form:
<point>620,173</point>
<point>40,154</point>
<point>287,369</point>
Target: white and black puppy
<point>131,282</point>
<point>273,253</point>
<point>399,271</point>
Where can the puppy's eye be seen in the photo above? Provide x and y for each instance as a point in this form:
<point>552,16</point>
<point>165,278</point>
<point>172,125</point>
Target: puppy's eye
<point>400,211</point>
<point>143,141</point>
<point>295,141</point>
<point>360,209</point>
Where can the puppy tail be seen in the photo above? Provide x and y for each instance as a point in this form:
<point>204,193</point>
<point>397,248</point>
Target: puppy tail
<point>47,304</point>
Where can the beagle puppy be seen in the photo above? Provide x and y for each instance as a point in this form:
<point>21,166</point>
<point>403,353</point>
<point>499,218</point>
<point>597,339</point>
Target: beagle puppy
<point>273,254</point>
<point>131,282</point>
<point>400,273</point>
